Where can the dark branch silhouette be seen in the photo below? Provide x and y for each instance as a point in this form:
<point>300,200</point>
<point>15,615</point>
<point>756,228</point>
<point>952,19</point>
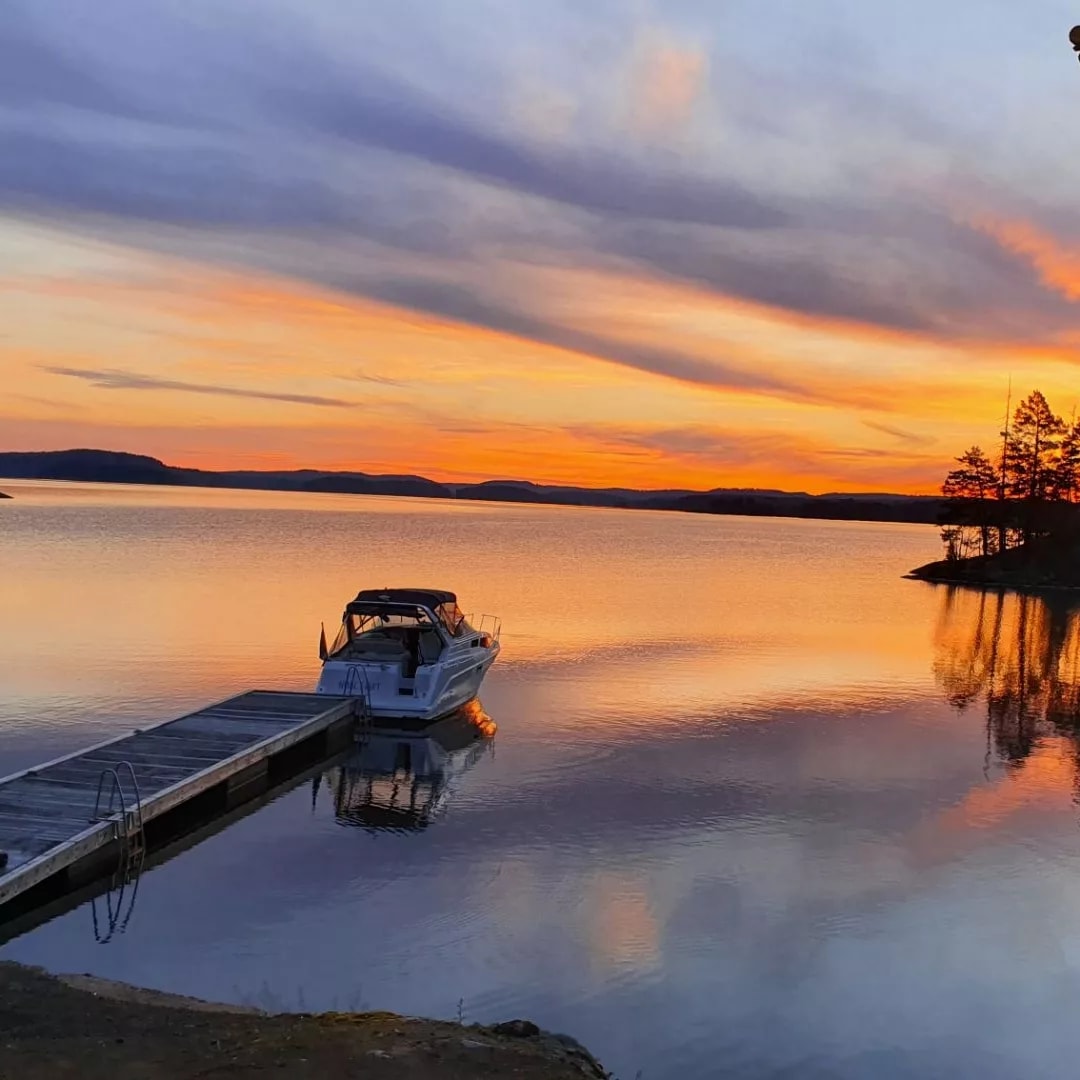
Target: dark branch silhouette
<point>1015,521</point>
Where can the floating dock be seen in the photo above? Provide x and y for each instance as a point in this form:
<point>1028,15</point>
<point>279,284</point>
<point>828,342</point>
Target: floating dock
<point>72,819</point>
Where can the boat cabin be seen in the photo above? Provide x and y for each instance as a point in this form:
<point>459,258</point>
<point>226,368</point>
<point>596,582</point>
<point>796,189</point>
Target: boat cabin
<point>410,626</point>
<point>408,653</point>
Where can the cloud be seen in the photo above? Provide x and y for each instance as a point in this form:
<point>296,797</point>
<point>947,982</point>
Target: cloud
<point>666,82</point>
<point>126,380</point>
<point>379,380</point>
<point>1056,262</point>
<point>211,143</point>
<point>266,131</point>
<point>379,113</point>
<point>775,458</point>
<point>470,304</point>
<point>899,434</point>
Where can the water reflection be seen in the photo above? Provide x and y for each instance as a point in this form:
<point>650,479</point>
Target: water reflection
<point>399,779</point>
<point>1017,654</point>
<point>117,902</point>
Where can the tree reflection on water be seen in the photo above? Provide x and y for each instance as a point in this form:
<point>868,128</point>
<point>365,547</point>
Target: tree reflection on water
<point>1017,654</point>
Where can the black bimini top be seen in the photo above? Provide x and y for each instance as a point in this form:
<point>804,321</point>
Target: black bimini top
<point>429,598</point>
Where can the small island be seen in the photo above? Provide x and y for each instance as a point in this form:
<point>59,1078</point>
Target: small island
<point>1014,523</point>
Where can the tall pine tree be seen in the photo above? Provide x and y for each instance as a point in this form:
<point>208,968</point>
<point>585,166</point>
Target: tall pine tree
<point>972,490</point>
<point>1032,458</point>
<point>1067,471</point>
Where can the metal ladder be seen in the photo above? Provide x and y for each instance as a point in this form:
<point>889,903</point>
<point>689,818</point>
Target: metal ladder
<point>129,830</point>
<point>127,819</point>
<point>357,686</point>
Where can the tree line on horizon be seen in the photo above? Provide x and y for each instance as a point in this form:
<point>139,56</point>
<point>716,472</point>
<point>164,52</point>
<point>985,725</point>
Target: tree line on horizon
<point>1029,492</point>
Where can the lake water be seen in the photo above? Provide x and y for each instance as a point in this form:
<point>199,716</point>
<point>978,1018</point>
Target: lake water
<point>757,806</point>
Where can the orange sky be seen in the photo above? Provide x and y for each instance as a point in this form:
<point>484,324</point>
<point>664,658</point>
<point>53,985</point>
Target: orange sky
<point>111,347</point>
<point>641,245</point>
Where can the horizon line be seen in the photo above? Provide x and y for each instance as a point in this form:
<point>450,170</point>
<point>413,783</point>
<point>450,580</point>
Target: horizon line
<point>491,480</point>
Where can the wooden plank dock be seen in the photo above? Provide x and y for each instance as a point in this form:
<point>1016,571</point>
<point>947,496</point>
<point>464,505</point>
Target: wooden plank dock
<point>52,819</point>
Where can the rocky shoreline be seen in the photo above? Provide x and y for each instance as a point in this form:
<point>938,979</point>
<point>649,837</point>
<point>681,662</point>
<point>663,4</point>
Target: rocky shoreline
<point>1034,566</point>
<point>57,1027</point>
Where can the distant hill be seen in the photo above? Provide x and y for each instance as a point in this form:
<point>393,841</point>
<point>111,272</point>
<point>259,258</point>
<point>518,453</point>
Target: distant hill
<point>361,484</point>
<point>114,467</point>
<point>107,466</point>
<point>910,508</point>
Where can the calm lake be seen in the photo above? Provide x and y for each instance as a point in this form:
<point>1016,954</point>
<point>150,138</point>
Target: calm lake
<point>756,807</point>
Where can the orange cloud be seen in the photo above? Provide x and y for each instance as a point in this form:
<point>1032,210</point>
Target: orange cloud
<point>1057,265</point>
<point>667,80</point>
<point>454,400</point>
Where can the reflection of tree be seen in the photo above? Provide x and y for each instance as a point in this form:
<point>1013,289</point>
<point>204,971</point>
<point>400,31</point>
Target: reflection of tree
<point>1020,654</point>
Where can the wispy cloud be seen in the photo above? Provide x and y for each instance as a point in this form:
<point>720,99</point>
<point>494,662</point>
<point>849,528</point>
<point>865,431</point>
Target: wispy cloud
<point>910,437</point>
<point>383,154</point>
<point>760,457</point>
<point>206,127</point>
<point>127,380</point>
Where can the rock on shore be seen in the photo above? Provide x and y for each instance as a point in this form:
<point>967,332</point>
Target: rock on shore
<point>1042,565</point>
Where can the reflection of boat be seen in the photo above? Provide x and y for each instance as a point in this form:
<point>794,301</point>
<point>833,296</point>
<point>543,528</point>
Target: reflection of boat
<point>410,652</point>
<point>399,779</point>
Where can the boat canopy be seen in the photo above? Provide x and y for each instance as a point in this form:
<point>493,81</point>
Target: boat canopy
<point>405,605</point>
<point>429,598</point>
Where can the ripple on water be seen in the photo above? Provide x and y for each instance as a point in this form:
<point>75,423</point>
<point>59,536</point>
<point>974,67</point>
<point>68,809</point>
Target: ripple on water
<point>751,810</point>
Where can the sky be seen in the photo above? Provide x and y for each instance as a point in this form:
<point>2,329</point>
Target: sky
<point>697,243</point>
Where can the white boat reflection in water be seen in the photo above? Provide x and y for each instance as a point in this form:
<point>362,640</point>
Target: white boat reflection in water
<point>400,779</point>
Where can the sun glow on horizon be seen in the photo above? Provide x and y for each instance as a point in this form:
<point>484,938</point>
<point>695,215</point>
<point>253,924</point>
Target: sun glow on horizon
<point>207,367</point>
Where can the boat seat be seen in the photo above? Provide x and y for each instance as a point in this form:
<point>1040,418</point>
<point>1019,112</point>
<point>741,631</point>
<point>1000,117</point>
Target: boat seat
<point>430,646</point>
<point>371,645</point>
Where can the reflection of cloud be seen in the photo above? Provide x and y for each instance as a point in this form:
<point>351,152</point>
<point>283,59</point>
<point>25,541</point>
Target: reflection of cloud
<point>622,928</point>
<point>126,380</point>
<point>1015,658</point>
<point>1045,784</point>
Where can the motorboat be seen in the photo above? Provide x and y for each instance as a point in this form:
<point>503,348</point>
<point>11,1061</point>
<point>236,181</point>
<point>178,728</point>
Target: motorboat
<point>408,653</point>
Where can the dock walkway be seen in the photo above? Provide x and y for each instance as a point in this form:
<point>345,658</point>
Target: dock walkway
<point>48,822</point>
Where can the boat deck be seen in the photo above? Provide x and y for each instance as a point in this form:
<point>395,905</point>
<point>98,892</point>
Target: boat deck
<point>52,817</point>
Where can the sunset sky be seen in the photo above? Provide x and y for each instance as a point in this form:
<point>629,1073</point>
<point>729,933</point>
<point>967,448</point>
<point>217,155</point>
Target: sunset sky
<point>697,243</point>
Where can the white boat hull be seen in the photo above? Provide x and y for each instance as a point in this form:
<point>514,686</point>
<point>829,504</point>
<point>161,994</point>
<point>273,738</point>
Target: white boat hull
<point>436,690</point>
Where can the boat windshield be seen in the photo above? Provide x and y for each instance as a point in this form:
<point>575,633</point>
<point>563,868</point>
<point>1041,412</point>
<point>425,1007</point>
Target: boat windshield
<point>451,617</point>
<point>358,623</point>
<point>395,621</point>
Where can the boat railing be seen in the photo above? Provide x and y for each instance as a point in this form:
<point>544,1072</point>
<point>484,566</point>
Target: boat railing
<point>486,624</point>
